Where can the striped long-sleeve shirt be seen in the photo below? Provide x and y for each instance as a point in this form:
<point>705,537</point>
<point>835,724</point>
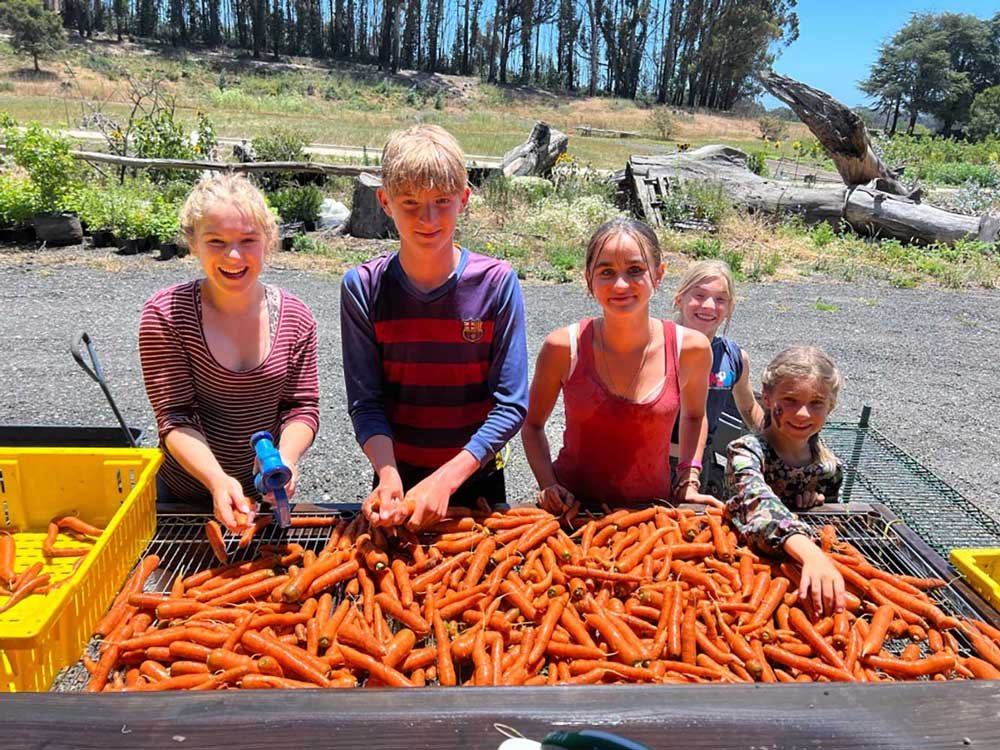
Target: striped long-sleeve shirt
<point>187,387</point>
<point>435,371</point>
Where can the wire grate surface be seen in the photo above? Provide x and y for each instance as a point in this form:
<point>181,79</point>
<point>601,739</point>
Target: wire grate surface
<point>887,544</point>
<point>878,471</point>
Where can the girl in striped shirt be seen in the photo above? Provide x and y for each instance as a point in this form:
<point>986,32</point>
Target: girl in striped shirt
<point>227,355</point>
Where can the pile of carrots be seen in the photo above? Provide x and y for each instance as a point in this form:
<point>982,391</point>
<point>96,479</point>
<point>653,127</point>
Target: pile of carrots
<point>658,595</point>
<point>18,586</point>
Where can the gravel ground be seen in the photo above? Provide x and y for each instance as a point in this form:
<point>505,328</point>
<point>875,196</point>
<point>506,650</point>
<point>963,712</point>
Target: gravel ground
<point>916,356</point>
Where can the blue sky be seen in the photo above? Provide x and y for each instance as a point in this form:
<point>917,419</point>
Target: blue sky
<point>839,39</point>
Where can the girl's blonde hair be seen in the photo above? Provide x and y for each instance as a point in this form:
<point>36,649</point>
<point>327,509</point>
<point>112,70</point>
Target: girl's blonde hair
<point>801,363</point>
<point>699,273</point>
<point>639,232</point>
<point>236,190</point>
<point>423,157</point>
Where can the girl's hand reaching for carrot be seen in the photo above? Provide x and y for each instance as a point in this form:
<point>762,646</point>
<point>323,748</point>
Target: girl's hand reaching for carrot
<point>228,500</point>
<point>821,582</point>
<point>689,493</point>
<point>809,499</point>
<point>555,498</point>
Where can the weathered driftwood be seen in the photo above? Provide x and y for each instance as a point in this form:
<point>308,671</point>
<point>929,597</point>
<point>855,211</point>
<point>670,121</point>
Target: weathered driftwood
<point>864,207</point>
<point>652,176</point>
<point>537,155</point>
<point>368,220</point>
<point>840,131</point>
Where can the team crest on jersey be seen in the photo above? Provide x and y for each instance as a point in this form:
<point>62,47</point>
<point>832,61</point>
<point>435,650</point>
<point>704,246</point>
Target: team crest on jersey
<point>721,379</point>
<point>472,331</point>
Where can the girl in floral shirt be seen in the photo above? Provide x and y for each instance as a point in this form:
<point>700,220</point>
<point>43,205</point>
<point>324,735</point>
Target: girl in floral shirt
<point>787,466</point>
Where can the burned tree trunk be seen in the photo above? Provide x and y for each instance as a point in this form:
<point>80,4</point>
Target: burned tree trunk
<point>840,130</point>
<point>537,155</point>
<point>866,208</point>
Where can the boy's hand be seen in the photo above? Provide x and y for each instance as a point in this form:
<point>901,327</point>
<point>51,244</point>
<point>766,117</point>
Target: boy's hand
<point>821,582</point>
<point>555,498</point>
<point>384,506</point>
<point>429,499</point>
<point>227,496</point>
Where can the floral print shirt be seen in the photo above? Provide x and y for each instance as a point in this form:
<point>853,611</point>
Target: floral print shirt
<point>763,491</point>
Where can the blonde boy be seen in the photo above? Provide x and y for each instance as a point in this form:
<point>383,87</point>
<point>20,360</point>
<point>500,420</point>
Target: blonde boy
<point>435,359</point>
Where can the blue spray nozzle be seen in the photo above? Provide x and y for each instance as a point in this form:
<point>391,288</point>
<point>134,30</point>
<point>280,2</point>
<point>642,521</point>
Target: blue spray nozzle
<point>273,475</point>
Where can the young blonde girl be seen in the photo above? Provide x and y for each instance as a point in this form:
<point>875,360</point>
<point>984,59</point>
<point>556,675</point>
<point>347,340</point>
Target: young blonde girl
<point>625,378</point>
<point>226,355</point>
<point>787,467</point>
<point>705,301</point>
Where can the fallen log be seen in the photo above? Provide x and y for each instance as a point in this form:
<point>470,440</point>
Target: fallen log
<point>866,208</point>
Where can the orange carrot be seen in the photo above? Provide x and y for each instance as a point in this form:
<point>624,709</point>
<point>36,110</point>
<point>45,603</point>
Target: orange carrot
<point>214,535</point>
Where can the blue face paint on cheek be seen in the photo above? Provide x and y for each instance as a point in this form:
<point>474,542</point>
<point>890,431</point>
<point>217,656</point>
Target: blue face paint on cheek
<point>776,413</point>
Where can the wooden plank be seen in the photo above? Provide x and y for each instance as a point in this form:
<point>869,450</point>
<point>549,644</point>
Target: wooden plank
<point>914,716</point>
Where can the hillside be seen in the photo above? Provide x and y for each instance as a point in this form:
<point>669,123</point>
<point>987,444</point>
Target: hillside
<point>349,105</point>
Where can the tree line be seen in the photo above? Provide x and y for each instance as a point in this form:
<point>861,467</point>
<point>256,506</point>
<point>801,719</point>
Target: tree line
<point>946,65</point>
<point>682,52</point>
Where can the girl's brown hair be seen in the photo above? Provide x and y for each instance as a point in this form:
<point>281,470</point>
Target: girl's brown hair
<point>639,232</point>
<point>236,190</point>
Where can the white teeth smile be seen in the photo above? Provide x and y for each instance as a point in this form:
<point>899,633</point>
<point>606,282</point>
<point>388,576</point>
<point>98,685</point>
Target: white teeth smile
<point>233,274</point>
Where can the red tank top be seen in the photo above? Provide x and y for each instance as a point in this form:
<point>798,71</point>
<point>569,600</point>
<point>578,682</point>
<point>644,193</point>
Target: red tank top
<point>614,450</point>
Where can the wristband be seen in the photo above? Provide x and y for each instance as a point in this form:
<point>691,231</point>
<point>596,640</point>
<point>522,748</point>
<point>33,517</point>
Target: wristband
<point>693,464</point>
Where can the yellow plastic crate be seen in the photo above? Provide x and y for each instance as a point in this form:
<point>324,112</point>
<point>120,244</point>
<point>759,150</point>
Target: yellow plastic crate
<point>114,488</point>
<point>981,569</point>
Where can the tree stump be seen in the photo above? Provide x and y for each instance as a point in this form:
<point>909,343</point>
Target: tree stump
<point>368,220</point>
<point>537,155</point>
<point>58,230</point>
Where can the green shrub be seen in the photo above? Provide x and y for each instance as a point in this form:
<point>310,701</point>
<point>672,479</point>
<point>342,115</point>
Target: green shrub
<point>160,136</point>
<point>278,144</point>
<point>18,201</point>
<point>297,203</point>
<point>984,175</point>
<point>662,122</point>
<point>695,200</point>
<point>44,155</point>
<point>757,162</point>
<point>164,222</point>
<point>302,243</point>
<point>704,248</point>
<point>531,189</point>
<point>822,235</point>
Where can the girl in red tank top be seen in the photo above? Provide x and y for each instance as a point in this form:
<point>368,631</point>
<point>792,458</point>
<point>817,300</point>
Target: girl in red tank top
<point>626,379</point>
